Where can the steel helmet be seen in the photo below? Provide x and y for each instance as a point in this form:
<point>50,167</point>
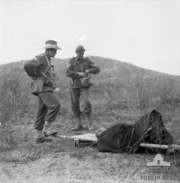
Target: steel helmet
<point>79,48</point>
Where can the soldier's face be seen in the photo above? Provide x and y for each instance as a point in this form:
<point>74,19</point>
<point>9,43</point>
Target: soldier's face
<point>80,54</point>
<point>51,53</point>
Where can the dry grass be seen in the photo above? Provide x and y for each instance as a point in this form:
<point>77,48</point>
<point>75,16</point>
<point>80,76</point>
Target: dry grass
<point>112,103</point>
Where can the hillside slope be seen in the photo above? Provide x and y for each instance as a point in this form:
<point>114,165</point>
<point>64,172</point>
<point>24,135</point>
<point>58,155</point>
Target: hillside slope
<point>112,71</point>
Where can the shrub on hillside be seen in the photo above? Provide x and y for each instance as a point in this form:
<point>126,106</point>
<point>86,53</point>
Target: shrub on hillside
<point>15,104</point>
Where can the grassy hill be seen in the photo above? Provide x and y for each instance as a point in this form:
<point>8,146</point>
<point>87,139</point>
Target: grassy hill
<point>121,92</point>
<point>116,71</point>
<point>116,83</point>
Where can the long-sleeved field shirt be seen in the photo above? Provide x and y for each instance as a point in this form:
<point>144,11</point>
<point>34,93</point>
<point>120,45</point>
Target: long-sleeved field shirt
<point>76,66</point>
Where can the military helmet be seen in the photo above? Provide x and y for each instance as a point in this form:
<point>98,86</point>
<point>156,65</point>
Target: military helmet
<point>79,48</point>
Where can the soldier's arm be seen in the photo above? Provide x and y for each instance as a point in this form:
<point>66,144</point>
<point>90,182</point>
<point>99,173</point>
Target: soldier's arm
<point>93,69</point>
<point>70,72</point>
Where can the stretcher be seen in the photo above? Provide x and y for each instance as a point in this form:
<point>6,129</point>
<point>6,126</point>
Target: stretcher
<point>82,140</point>
<point>91,139</point>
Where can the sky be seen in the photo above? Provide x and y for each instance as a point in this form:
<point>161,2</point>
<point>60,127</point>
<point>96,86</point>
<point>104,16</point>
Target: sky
<point>145,33</point>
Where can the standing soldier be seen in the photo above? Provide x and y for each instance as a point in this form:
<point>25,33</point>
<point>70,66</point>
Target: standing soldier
<point>79,70</point>
<point>43,87</point>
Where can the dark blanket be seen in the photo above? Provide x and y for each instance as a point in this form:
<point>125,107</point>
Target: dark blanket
<point>126,138</point>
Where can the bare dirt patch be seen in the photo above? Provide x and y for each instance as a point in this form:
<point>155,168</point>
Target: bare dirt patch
<point>76,165</point>
<point>61,162</point>
<point>63,167</point>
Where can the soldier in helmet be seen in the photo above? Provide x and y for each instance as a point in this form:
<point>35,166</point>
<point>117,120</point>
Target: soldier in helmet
<point>79,70</point>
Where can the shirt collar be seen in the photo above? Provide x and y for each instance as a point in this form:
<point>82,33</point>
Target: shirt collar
<point>48,60</point>
<point>79,60</point>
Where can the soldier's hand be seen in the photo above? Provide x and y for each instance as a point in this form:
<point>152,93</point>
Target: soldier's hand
<point>81,74</point>
<point>87,71</point>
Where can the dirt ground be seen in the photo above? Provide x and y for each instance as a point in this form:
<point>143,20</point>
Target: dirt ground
<point>61,162</point>
<point>83,165</point>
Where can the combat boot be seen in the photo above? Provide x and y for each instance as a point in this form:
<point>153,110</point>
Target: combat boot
<point>40,138</point>
<point>89,122</point>
<point>48,130</point>
<point>79,124</point>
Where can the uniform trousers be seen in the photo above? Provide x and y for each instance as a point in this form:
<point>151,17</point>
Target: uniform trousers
<point>48,108</point>
<point>75,94</point>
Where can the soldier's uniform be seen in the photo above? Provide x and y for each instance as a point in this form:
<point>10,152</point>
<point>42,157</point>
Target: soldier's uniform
<point>43,88</point>
<point>76,87</point>
<point>48,104</point>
